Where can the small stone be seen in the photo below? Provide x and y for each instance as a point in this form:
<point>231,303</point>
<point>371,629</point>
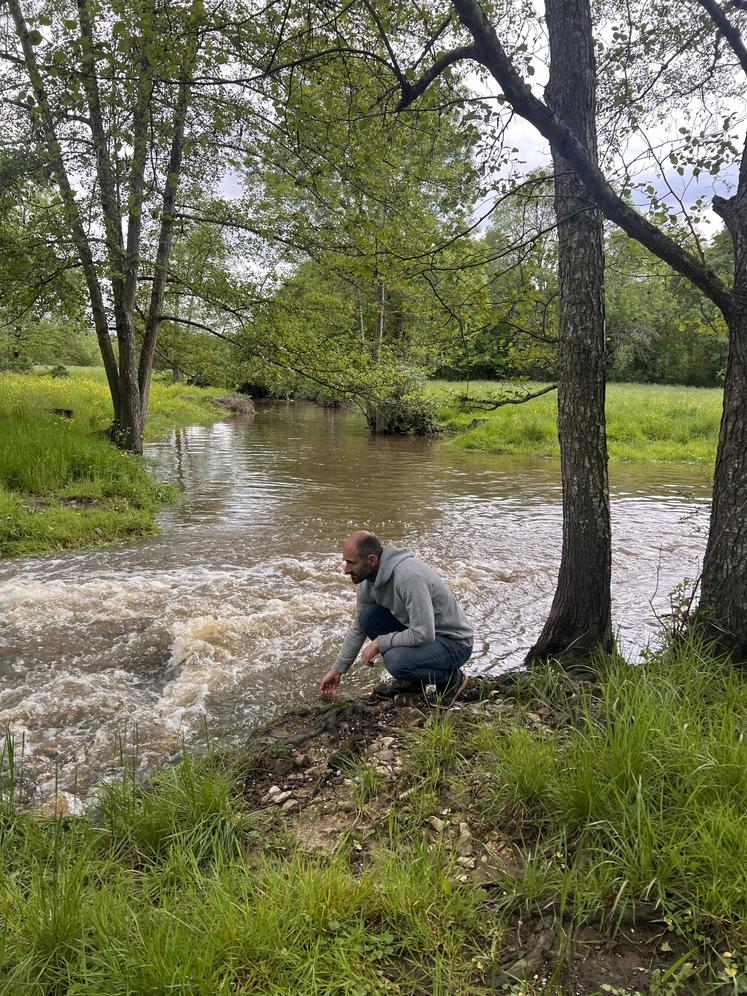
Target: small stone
<point>57,805</point>
<point>411,716</point>
<point>383,771</point>
<point>465,862</point>
<point>438,825</point>
<point>289,805</point>
<point>281,797</point>
<point>386,755</point>
<point>386,742</point>
<point>534,717</point>
<point>464,847</point>
<point>464,830</point>
<point>274,790</point>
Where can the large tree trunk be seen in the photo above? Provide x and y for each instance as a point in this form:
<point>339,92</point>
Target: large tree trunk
<point>579,622</point>
<point>723,604</point>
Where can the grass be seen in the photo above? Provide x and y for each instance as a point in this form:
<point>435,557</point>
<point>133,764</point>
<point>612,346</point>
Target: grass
<point>640,799</point>
<point>173,888</point>
<point>644,422</point>
<point>62,484</point>
<point>633,804</point>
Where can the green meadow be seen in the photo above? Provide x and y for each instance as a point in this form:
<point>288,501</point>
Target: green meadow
<point>62,483</point>
<point>645,422</point>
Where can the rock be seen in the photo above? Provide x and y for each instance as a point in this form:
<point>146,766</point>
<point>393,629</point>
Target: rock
<point>464,847</point>
<point>465,862</point>
<point>438,825</point>
<point>56,805</point>
<point>289,805</point>
<point>385,755</point>
<point>386,742</point>
<point>274,790</point>
<point>411,716</point>
<point>281,797</point>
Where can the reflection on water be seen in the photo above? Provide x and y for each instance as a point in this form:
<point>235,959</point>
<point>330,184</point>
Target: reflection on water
<point>236,611</point>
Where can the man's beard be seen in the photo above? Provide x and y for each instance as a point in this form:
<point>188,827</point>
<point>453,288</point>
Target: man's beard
<point>357,578</point>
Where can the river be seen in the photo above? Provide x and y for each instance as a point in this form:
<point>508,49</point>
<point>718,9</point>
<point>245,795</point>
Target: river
<point>234,613</point>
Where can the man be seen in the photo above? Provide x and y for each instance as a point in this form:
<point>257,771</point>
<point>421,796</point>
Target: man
<point>411,618</point>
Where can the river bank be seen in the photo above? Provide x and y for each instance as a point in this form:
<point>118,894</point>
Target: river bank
<point>645,422</point>
<point>62,483</point>
<point>544,836</point>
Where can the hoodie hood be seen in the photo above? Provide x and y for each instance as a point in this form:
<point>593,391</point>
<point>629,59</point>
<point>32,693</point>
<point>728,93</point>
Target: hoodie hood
<point>390,558</point>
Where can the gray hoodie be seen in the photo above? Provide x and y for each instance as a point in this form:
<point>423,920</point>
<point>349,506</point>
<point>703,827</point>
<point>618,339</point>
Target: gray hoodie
<point>416,596</point>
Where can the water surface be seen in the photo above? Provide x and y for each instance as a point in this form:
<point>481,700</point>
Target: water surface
<point>236,611</point>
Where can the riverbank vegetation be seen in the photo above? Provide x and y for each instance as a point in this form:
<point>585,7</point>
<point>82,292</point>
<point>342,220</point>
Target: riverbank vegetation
<point>582,838</point>
<point>644,422</point>
<point>62,482</point>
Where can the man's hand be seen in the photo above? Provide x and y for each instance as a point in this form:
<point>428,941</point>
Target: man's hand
<point>330,683</point>
<point>369,652</point>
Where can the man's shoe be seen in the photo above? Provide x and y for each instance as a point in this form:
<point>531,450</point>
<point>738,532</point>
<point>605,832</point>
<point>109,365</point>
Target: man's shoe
<point>444,698</point>
<point>388,689</point>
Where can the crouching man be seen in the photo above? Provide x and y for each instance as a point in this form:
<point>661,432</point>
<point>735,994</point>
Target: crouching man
<point>411,618</point>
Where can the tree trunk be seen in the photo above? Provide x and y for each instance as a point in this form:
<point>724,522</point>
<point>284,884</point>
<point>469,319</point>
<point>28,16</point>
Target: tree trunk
<point>580,618</point>
<point>723,603</point>
<point>165,241</point>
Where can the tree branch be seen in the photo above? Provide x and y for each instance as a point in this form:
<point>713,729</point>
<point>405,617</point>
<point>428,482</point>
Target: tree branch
<point>485,405</point>
<point>411,91</point>
<point>492,55</point>
<point>727,29</point>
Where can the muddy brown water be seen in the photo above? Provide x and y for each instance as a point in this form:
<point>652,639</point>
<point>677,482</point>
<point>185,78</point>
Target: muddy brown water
<point>235,612</point>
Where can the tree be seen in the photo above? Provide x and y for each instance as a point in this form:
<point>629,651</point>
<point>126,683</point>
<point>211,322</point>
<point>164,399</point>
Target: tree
<point>722,611</point>
<point>579,622</point>
<point>364,198</point>
<point>110,99</point>
<point>659,326</point>
<point>42,297</point>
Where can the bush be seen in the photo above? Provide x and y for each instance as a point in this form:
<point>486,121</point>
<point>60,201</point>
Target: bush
<point>403,415</point>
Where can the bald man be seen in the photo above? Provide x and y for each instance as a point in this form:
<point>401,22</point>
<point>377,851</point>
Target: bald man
<point>411,619</point>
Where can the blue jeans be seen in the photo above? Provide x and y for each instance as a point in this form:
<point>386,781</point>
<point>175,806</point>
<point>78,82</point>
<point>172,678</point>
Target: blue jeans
<point>430,663</point>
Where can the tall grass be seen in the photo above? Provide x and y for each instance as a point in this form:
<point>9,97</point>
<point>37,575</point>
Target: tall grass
<point>171,890</point>
<point>61,482</point>
<point>644,422</point>
<point>642,798</point>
